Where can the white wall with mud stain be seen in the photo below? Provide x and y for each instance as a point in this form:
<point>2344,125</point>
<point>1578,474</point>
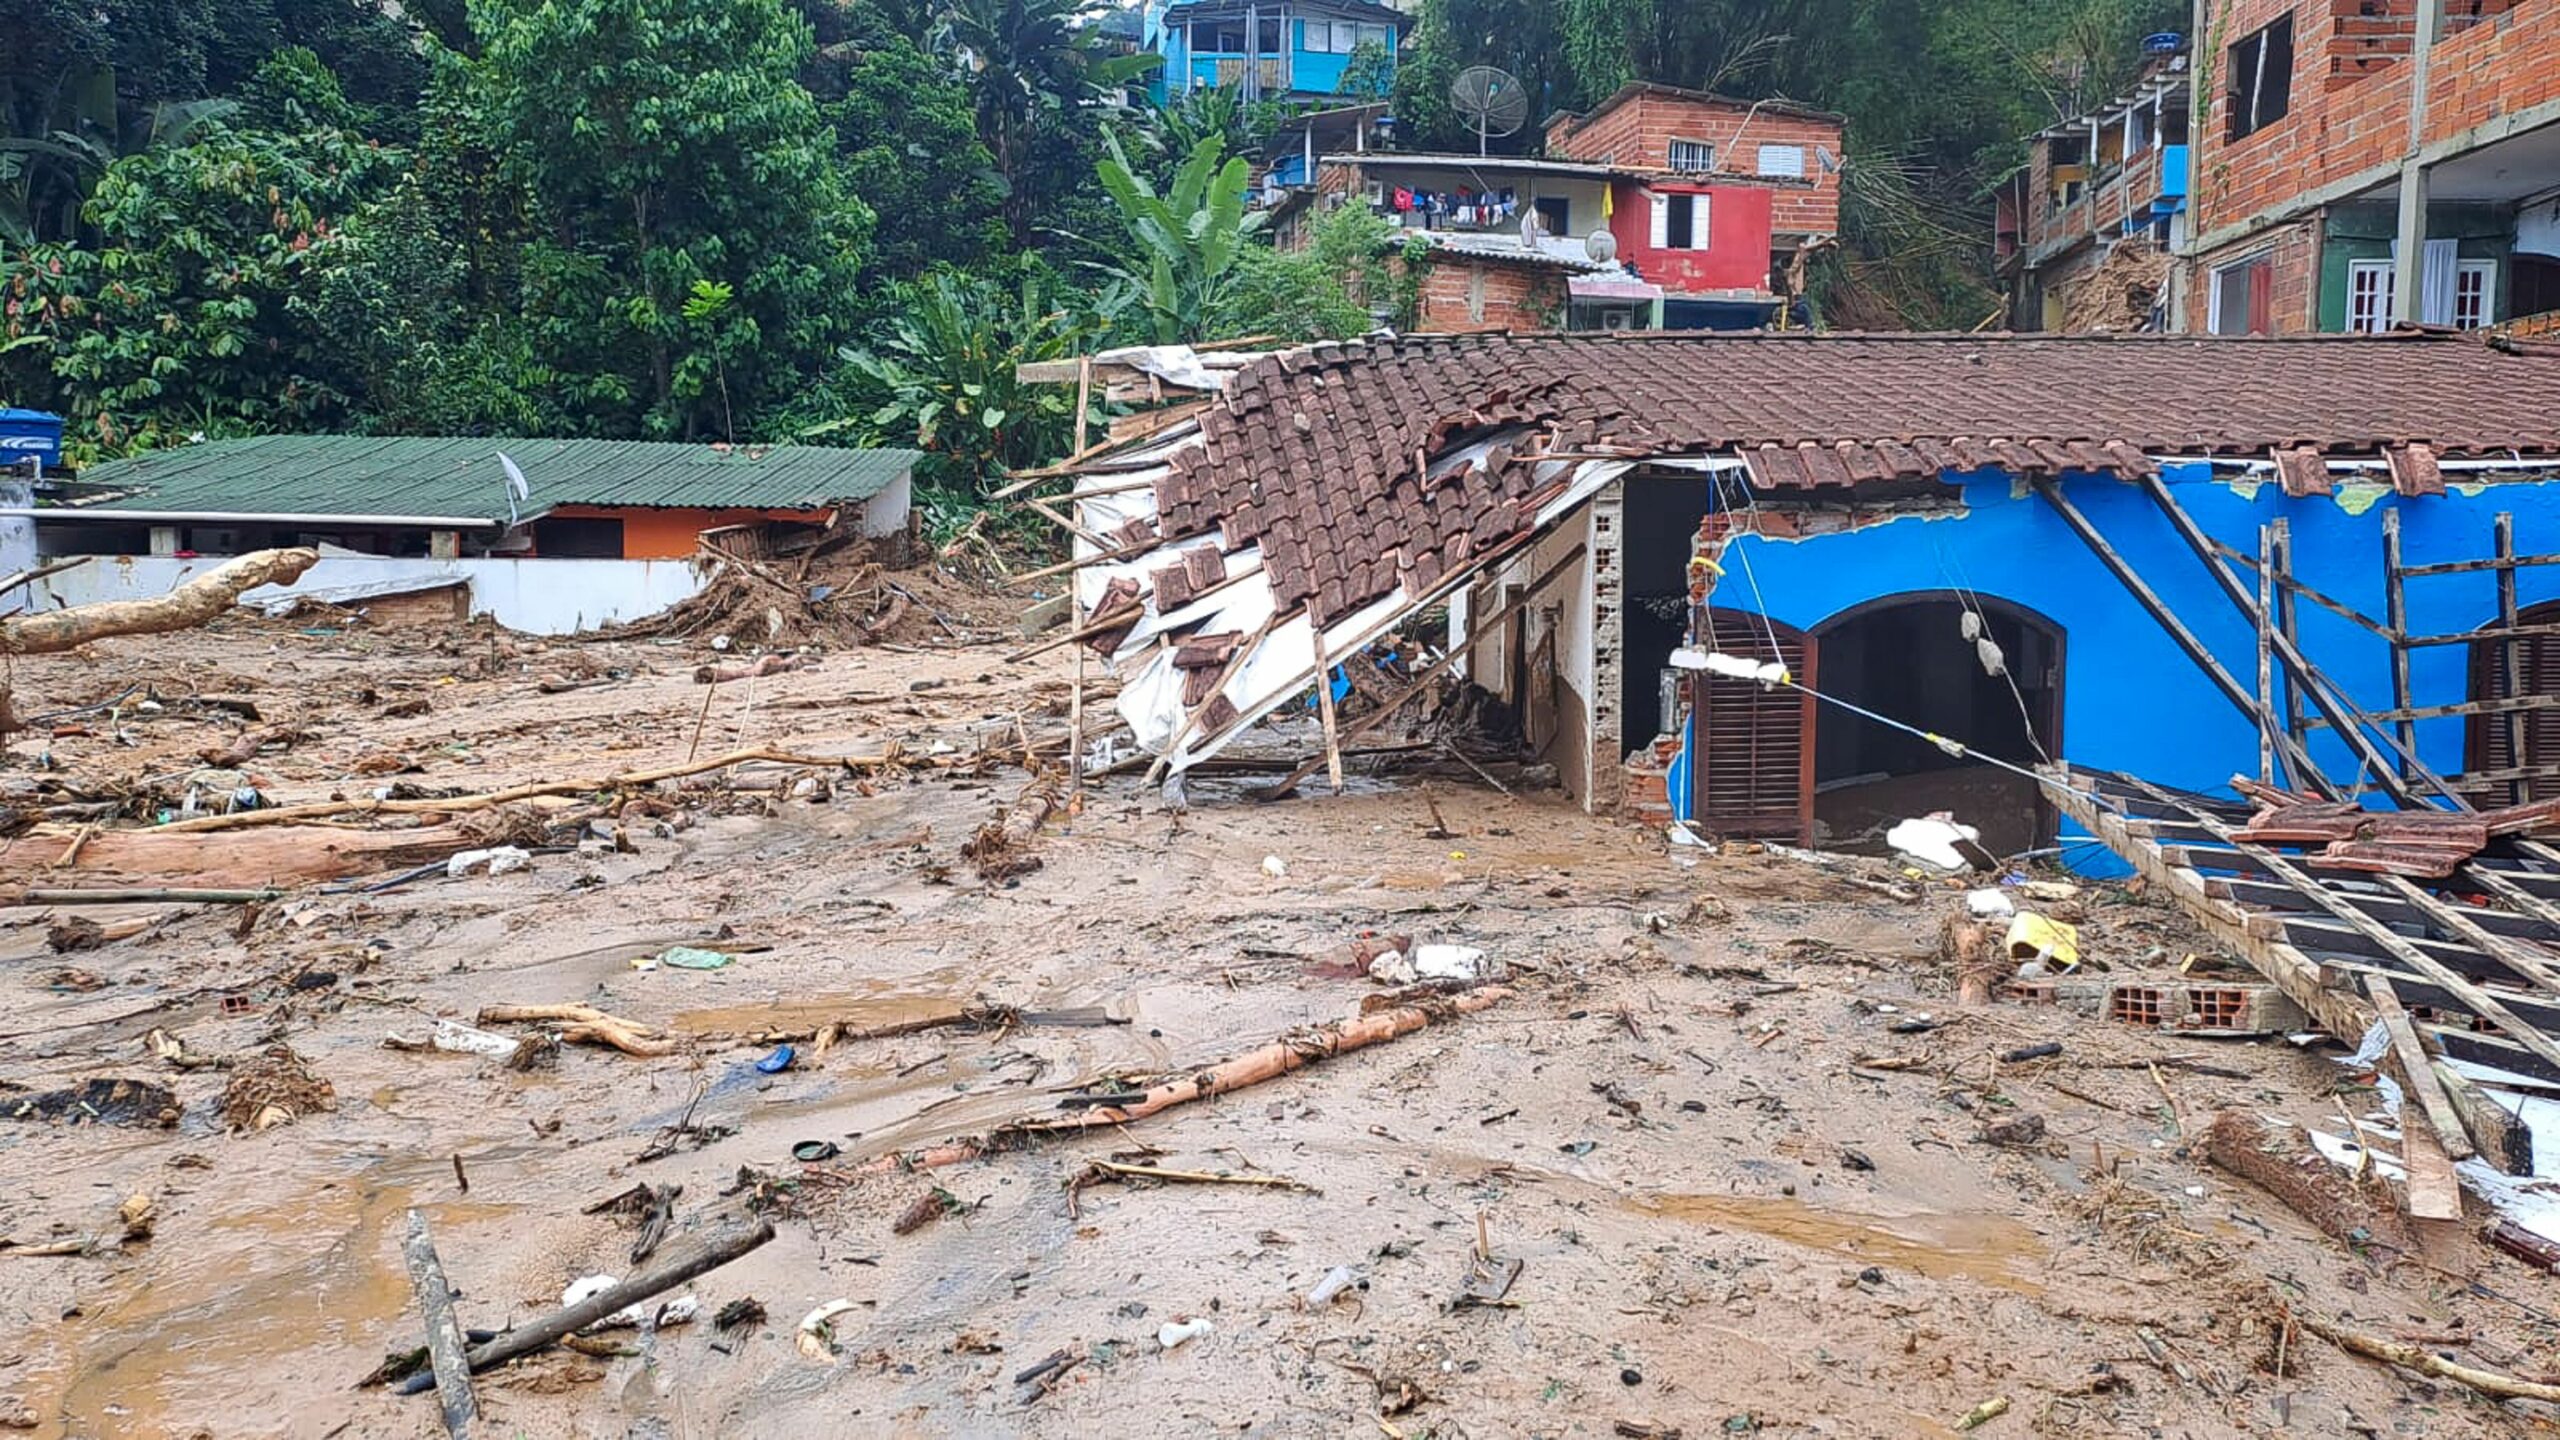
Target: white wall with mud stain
<point>538,597</point>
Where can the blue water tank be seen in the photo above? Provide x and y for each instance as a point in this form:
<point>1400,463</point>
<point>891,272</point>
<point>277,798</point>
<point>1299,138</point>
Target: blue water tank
<point>29,432</point>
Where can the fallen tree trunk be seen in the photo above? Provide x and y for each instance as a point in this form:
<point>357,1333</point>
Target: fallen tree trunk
<point>184,608</point>
<point>2285,1164</point>
<point>286,814</point>
<point>586,1025</point>
<point>169,855</point>
<point>1294,1051</point>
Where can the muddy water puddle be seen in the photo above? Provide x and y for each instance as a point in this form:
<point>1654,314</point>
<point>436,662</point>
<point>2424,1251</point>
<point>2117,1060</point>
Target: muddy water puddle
<point>1988,1249</point>
<point>222,1322</point>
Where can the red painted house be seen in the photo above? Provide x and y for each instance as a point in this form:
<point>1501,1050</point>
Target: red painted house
<point>1661,208</point>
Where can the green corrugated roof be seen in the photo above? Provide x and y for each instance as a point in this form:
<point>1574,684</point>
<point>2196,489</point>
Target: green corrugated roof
<point>456,478</point>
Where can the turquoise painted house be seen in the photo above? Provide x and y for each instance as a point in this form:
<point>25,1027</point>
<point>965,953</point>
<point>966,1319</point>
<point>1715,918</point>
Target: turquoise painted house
<point>1269,49</point>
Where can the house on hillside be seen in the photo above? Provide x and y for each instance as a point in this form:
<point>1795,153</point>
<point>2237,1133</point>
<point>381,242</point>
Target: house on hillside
<point>2388,161</point>
<point>2082,233</point>
<point>598,531</point>
<point>1978,552</point>
<point>1270,49</point>
<point>1661,208</point>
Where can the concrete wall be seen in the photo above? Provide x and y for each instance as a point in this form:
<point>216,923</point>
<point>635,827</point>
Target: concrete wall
<point>2132,701</point>
<point>540,597</point>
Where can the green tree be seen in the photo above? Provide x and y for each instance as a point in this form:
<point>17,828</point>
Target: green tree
<point>666,143</point>
<point>909,139</point>
<point>1033,69</point>
<point>1356,270</point>
<point>1186,242</point>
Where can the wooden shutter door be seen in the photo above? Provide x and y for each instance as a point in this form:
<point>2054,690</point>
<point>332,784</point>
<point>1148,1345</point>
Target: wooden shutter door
<point>2538,669</point>
<point>1752,774</point>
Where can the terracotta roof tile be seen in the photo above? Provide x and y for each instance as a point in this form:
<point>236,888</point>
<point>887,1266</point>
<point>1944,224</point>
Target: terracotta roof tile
<point>1803,411</point>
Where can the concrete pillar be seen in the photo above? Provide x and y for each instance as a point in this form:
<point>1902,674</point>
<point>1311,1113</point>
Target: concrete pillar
<point>2409,260</point>
<point>164,539</point>
<point>444,544</point>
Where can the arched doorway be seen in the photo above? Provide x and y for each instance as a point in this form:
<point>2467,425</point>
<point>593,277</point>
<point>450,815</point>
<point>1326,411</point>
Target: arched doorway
<point>1751,746</point>
<point>1918,658</point>
<point>2499,745</point>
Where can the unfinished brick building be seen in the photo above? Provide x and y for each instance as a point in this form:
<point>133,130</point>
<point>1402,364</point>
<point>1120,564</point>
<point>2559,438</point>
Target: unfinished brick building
<point>2361,163</point>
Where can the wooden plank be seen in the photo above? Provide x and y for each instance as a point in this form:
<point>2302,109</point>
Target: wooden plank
<point>2350,972</point>
<point>2474,567</point>
<point>2284,967</point>
<point>2396,626</point>
<point>2176,629</point>
<point>2433,1192</point>
<point>2266,656</point>
<point>2479,1047</point>
<point>2474,999</point>
<point>2510,660</point>
<point>2486,632</point>
<point>2496,1132</point>
<point>2295,722</point>
<point>2291,586</point>
<point>2519,956</point>
<point>1324,707</point>
<point>2327,940</point>
<point>2467,708</point>
<point>2390,910</point>
<point>2417,1072</point>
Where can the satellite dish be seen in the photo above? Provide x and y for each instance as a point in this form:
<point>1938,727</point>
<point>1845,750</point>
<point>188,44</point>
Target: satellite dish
<point>517,487</point>
<point>1494,102</point>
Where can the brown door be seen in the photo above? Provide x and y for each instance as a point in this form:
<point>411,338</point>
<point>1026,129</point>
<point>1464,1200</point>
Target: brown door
<point>2488,748</point>
<point>1752,774</point>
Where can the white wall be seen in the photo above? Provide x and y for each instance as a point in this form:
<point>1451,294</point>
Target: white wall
<point>539,597</point>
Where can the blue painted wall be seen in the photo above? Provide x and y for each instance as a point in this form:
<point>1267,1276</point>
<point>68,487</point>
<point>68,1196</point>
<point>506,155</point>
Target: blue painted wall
<point>2132,701</point>
<point>1312,72</point>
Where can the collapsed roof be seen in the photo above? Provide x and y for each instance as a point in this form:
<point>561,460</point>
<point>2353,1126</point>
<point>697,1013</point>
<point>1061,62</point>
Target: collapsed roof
<point>1345,485</point>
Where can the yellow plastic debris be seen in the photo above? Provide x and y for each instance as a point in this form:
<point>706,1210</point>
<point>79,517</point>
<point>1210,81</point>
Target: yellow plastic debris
<point>2033,937</point>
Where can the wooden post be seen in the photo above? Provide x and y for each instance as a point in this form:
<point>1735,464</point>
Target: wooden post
<point>1226,677</point>
<point>2510,670</point>
<point>2294,723</point>
<point>2395,619</point>
<point>1324,707</point>
<point>447,1358</point>
<point>1084,398</point>
<point>1075,728</point>
<point>2266,657</point>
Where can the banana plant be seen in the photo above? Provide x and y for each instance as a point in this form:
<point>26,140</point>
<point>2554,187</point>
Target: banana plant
<point>1187,241</point>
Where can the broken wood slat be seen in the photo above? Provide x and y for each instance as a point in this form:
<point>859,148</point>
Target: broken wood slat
<point>2418,1076</point>
<point>2434,1193</point>
<point>2474,567</point>
<point>2486,632</point>
<point>2263,895</point>
<point>2350,972</point>
<point>2497,1133</point>
<point>2473,998</point>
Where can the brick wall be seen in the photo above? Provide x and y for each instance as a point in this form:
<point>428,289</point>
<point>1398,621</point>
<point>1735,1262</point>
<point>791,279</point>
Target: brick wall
<point>1461,295</point>
<point>2349,97</point>
<point>1637,132</point>
<point>2293,252</point>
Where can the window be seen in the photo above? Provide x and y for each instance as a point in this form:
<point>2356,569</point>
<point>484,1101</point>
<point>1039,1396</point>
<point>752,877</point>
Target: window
<point>2261,78</point>
<point>2475,292</point>
<point>1692,157</point>
<point>2369,288</point>
<point>1786,161</point>
<point>1225,40</point>
<point>2241,301</point>
<point>1268,34</point>
<point>1680,222</point>
<point>1555,214</point>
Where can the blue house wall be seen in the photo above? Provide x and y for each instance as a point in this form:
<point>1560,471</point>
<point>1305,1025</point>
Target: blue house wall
<point>2131,699</point>
<point>1309,72</point>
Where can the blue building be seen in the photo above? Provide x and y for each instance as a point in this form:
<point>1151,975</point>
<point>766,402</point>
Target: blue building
<point>1270,49</point>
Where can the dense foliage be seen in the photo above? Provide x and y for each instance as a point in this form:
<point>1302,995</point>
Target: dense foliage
<point>848,219</point>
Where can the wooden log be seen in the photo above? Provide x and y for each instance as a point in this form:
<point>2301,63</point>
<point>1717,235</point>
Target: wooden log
<point>586,1025</point>
<point>189,605</point>
<point>2498,1134</point>
<point>286,814</point>
<point>284,855</point>
<point>2410,1357</point>
<point>139,895</point>
<point>447,1359</point>
<point>695,1258</point>
<point>2284,1164</point>
<point>2418,1078</point>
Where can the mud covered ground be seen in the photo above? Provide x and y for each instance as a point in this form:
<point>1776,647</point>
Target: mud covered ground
<point>1742,1202</point>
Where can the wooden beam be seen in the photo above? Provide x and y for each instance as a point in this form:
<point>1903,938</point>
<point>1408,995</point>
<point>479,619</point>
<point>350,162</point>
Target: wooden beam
<point>1428,673</point>
<point>2167,619</point>
<point>2510,663</point>
<point>2474,999</point>
<point>2396,621</point>
<point>2294,721</point>
<point>2287,902</point>
<point>2474,567</point>
<point>2295,588</point>
<point>2417,1073</point>
<point>1324,709</point>
<point>2522,957</point>
<point>2486,632</point>
<point>2266,657</point>
<point>2497,1133</point>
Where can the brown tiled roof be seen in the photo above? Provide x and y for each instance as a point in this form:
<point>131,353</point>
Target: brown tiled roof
<point>1317,455</point>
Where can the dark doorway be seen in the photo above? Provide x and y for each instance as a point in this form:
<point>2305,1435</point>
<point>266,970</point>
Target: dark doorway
<point>2496,746</point>
<point>2537,285</point>
<point>1663,512</point>
<point>1918,659</point>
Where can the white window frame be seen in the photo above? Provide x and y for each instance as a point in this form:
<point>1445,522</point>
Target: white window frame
<point>2475,286</point>
<point>1773,162</point>
<point>2371,285</point>
<point>2213,291</point>
<point>1701,216</point>
<point>1701,153</point>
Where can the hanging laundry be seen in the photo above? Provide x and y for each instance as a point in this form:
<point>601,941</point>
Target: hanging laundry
<point>1403,201</point>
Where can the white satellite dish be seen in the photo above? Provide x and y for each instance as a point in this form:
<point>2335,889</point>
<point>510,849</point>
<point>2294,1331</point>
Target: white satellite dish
<point>1492,102</point>
<point>518,488</point>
